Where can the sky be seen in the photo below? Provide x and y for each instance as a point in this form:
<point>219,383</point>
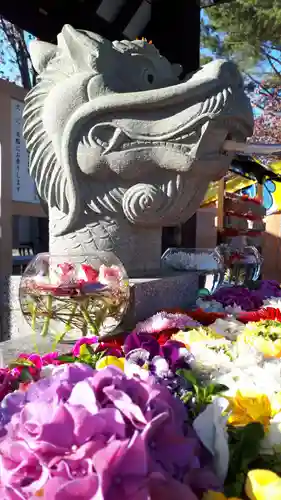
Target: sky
<point>9,70</point>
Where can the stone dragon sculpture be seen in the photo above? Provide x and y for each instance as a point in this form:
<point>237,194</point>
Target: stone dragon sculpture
<point>120,147</point>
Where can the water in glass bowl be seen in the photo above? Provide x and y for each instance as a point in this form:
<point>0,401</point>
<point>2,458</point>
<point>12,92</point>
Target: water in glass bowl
<point>207,264</point>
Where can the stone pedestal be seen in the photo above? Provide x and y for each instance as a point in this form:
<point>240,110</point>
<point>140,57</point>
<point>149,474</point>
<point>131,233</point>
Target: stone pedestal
<point>154,293</point>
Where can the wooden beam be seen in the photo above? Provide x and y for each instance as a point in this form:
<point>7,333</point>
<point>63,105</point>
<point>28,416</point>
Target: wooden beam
<point>45,23</point>
<point>175,31</point>
<point>126,14</point>
<point>220,202</point>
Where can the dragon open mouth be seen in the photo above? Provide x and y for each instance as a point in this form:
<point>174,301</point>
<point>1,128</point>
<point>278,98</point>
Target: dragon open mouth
<point>110,138</point>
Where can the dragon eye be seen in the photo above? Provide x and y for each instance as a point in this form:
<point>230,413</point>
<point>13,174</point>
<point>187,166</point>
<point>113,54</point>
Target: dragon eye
<point>150,78</point>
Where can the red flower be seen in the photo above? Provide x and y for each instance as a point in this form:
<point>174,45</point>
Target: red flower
<point>264,314</point>
<point>235,257</point>
<point>87,274</point>
<point>164,336</point>
<point>204,317</point>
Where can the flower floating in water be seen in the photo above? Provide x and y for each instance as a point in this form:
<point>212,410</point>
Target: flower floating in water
<point>73,298</point>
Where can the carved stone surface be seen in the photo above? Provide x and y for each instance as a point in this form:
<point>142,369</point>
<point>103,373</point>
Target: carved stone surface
<point>120,147</point>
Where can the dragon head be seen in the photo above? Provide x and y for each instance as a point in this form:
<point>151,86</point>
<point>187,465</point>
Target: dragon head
<point>112,131</point>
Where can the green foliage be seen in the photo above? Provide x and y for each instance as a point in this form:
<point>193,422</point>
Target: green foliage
<point>203,394</point>
<point>248,30</point>
<point>244,447</point>
<point>87,355</point>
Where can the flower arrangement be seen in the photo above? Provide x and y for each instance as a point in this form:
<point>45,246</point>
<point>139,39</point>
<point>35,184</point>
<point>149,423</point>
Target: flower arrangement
<point>248,299</point>
<point>73,298</point>
<point>174,409</point>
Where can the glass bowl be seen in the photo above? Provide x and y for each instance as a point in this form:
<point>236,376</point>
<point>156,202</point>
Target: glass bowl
<point>242,266</point>
<point>207,263</point>
<point>70,296</point>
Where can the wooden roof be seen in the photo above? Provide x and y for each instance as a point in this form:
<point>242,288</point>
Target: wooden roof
<point>111,18</point>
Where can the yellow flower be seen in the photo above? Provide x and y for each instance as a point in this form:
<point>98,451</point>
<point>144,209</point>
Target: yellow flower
<point>214,495</point>
<point>196,335</point>
<point>263,485</point>
<point>250,407</point>
<point>110,361</point>
<point>269,348</point>
<point>260,485</point>
<point>275,404</point>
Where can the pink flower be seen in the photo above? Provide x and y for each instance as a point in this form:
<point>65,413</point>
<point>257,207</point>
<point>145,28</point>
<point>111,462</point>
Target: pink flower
<point>89,434</point>
<point>65,269</point>
<point>87,274</point>
<point>165,321</point>
<point>7,382</point>
<point>109,275</point>
<point>35,359</point>
<point>82,341</point>
<point>34,368</point>
<point>63,488</point>
<point>50,358</point>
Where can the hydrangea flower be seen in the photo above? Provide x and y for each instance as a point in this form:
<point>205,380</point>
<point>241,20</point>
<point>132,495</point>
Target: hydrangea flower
<point>95,434</point>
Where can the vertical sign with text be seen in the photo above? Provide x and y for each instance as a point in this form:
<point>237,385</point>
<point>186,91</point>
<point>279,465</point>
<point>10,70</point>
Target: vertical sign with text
<point>23,187</point>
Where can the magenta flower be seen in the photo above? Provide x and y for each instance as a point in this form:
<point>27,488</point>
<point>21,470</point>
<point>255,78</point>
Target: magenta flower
<point>89,434</point>
<point>50,359</point>
<point>143,348</point>
<point>7,382</point>
<point>82,341</point>
<point>141,341</point>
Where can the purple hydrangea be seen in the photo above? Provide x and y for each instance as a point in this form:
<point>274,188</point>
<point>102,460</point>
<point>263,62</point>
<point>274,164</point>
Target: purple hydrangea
<point>104,435</point>
<point>248,300</point>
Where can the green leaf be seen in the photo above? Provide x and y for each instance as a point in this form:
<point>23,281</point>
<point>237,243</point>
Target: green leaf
<point>85,351</point>
<point>216,389</point>
<point>25,375</point>
<point>67,358</point>
<point>21,362</point>
<point>188,375</point>
<point>186,397</point>
<point>244,444</point>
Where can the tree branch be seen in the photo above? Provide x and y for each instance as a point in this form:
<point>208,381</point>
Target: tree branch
<point>16,42</point>
<point>259,84</point>
<point>269,59</point>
